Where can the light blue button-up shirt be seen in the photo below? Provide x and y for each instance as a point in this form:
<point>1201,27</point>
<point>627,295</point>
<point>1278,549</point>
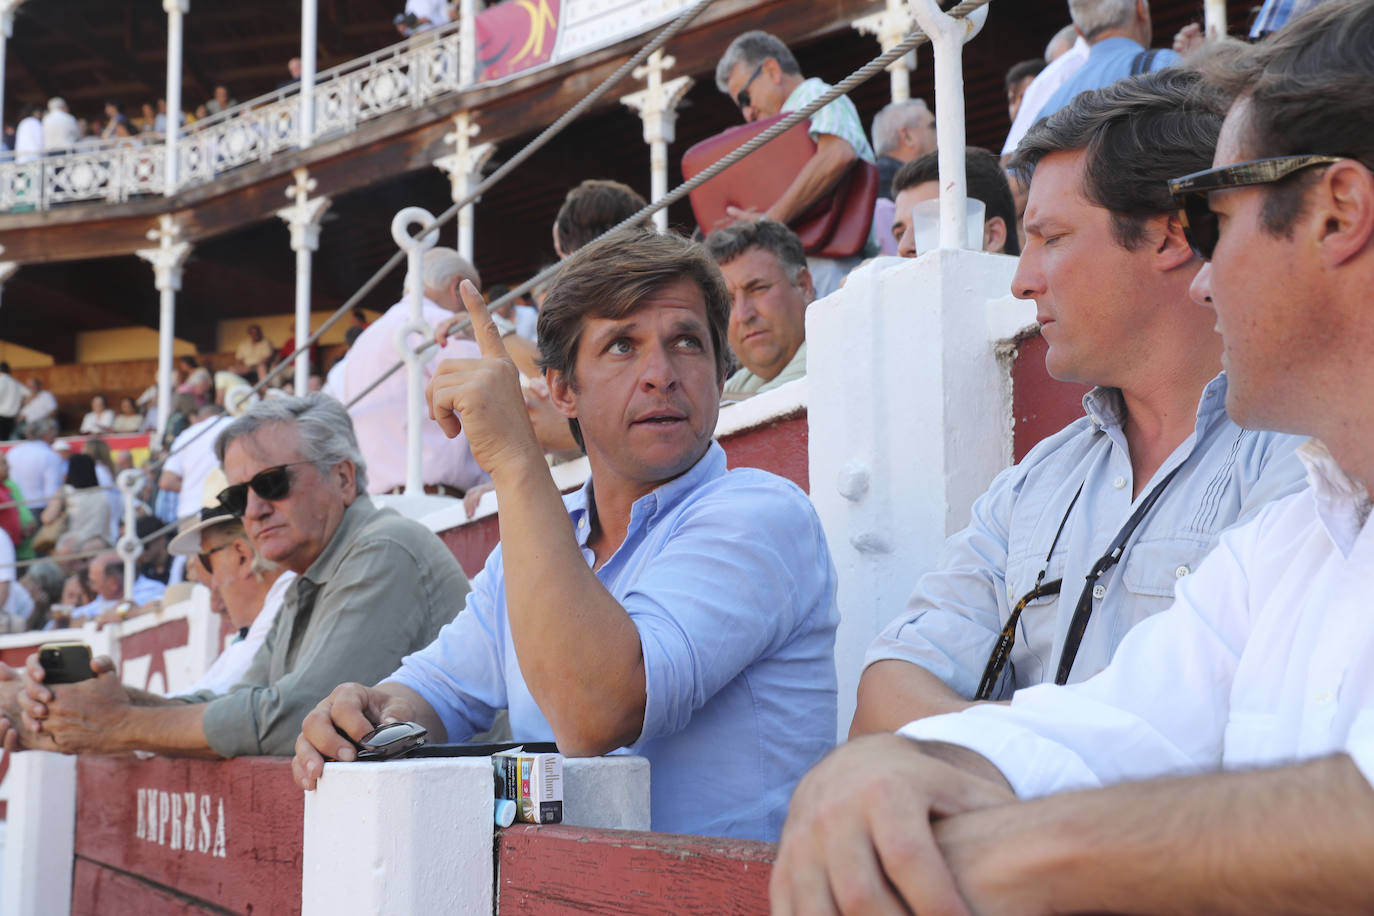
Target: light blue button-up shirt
<point>1108,61</point>
<point>728,579</point>
<point>952,621</point>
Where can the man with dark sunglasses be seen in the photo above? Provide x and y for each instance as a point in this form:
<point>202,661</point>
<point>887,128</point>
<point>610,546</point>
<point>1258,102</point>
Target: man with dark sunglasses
<point>370,588</point>
<point>1089,533</point>
<point>1223,762</point>
<point>760,75</point>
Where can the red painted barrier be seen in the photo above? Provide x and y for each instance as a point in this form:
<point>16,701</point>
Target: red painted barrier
<point>780,447</point>
<point>1041,405</point>
<point>556,869</point>
<point>187,836</point>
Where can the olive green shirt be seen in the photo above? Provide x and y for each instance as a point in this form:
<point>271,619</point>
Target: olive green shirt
<point>744,383</point>
<point>382,588</point>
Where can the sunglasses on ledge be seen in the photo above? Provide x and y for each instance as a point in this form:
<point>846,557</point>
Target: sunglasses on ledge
<point>1190,192</point>
<point>270,484</point>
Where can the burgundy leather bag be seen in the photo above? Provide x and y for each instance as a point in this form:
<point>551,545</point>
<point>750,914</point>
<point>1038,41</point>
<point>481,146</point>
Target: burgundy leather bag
<point>835,227</point>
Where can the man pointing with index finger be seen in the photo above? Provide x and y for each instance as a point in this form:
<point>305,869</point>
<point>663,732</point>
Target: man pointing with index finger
<point>670,607</point>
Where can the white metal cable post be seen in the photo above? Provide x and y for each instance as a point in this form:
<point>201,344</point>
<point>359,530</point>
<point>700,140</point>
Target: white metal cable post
<point>130,548</point>
<point>414,249</point>
<point>947,36</point>
<point>1214,18</point>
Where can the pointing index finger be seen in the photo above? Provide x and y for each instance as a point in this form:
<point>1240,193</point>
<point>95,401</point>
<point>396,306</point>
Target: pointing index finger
<point>484,330</point>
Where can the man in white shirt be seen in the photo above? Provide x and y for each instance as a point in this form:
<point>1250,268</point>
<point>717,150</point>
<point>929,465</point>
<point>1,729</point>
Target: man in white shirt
<point>1223,760</point>
<point>1045,84</point>
<point>15,602</point>
<point>243,584</point>
<point>60,131</point>
<point>40,404</point>
<point>28,136</point>
<point>36,466</point>
<point>447,465</point>
<point>192,458</point>
<point>12,395</point>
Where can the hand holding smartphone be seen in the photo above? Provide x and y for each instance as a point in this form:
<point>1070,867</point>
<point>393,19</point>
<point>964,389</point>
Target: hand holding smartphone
<point>65,662</point>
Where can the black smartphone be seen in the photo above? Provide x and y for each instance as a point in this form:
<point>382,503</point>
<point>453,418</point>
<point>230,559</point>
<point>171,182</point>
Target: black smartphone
<point>65,662</point>
<point>387,741</point>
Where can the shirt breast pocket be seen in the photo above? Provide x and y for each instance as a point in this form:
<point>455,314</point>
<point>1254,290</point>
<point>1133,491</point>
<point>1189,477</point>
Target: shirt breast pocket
<point>1152,569</point>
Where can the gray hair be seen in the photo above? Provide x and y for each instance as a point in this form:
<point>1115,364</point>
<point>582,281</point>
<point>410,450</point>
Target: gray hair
<point>888,123</point>
<point>1065,39</point>
<point>323,425</point>
<point>57,103</point>
<point>442,264</point>
<point>40,428</point>
<point>47,575</point>
<point>1093,17</point>
<point>734,240</point>
<point>752,49</point>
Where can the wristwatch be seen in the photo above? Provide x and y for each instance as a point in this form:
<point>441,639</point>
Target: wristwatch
<point>123,608</point>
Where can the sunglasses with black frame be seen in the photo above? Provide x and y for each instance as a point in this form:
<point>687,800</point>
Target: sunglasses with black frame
<point>1191,193</point>
<point>271,484</point>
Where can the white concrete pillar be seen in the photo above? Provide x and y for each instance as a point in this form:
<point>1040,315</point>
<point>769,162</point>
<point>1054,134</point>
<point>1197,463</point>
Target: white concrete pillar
<point>657,106</point>
<point>7,8</point>
<point>415,248</point>
<point>40,834</point>
<point>303,217</point>
<point>464,170</point>
<point>360,857</point>
<point>176,12</point>
<point>947,37</point>
<point>309,29</point>
<point>167,259</point>
<point>908,379</point>
<point>1214,18</point>
<point>890,26</point>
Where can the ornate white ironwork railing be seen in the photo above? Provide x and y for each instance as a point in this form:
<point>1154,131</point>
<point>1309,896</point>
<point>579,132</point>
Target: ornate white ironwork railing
<point>407,75</point>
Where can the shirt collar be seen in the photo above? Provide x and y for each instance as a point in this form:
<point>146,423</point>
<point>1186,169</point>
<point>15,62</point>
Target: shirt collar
<point>1342,501</point>
<point>358,514</point>
<point>710,466</point>
<point>1107,410</point>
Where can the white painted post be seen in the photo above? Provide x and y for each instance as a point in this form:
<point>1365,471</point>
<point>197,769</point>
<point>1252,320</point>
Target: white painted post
<point>907,383</point>
<point>167,260</point>
<point>130,548</point>
<point>40,834</point>
<point>657,106</point>
<point>309,29</point>
<point>7,8</point>
<point>176,11</point>
<point>464,170</point>
<point>467,44</point>
<point>7,268</point>
<point>415,249</point>
<point>947,37</point>
<point>1214,18</point>
<point>359,857</point>
<point>890,26</point>
<point>303,217</point>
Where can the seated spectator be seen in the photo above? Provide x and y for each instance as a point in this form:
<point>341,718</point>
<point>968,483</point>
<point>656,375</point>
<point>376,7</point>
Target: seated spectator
<point>221,101</point>
<point>99,419</point>
<point>128,420</point>
<point>902,131</point>
<point>76,592</point>
<point>429,14</point>
<point>673,608</point>
<point>116,124</point>
<point>192,459</point>
<point>105,471</point>
<point>82,501</point>
<point>373,587</point>
<point>1222,763</point>
<point>1118,33</point>
<point>770,287</point>
<point>919,181</point>
<point>43,582</point>
<point>183,413</point>
<point>15,517</point>
<point>12,396</point>
<point>1156,468</point>
<point>28,136</point>
<point>590,209</point>
<point>1066,53</point>
<point>106,576</point>
<point>253,356</point>
<point>156,562</point>
<point>243,585</point>
<point>1019,78</point>
<point>196,380</point>
<point>60,130</point>
<point>380,417</point>
<point>15,602</point>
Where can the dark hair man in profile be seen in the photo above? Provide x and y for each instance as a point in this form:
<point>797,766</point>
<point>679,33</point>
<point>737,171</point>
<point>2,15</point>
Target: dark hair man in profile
<point>919,180</point>
<point>1225,756</point>
<point>670,606</point>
